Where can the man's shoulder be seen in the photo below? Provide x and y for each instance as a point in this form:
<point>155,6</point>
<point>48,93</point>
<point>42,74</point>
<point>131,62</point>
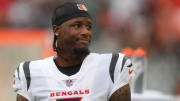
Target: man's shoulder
<point>105,57</point>
<point>37,63</point>
<point>106,54</point>
<point>44,60</point>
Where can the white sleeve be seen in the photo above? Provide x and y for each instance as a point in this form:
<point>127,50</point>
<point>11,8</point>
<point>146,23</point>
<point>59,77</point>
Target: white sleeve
<point>19,83</point>
<point>123,73</point>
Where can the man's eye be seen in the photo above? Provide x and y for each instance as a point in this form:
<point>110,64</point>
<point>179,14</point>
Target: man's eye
<point>89,27</point>
<point>77,26</point>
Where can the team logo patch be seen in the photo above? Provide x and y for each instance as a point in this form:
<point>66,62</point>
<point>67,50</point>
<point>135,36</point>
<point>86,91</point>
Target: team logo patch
<point>82,7</point>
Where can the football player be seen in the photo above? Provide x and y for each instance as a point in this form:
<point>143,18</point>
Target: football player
<point>74,74</point>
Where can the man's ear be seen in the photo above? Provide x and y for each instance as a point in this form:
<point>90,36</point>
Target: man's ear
<point>56,29</point>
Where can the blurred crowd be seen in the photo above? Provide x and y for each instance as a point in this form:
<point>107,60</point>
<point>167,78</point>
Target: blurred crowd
<point>151,24</point>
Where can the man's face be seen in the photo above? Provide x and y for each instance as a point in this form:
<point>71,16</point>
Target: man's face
<point>75,35</point>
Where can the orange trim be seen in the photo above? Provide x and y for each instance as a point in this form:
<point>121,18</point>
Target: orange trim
<point>128,51</point>
<point>21,36</point>
<point>140,52</point>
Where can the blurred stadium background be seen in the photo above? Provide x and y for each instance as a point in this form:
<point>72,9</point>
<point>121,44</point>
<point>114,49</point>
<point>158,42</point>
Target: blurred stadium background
<point>153,25</point>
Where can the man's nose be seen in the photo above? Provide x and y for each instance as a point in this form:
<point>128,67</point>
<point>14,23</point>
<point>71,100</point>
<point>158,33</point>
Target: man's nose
<point>86,31</point>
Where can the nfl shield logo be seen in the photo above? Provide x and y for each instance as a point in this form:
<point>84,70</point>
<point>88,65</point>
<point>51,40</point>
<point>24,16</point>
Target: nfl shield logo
<point>69,83</point>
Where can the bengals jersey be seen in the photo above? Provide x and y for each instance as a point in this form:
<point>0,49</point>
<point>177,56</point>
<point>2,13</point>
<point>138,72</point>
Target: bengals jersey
<point>99,77</point>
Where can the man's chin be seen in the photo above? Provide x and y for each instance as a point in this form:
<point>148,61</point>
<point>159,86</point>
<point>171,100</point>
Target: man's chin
<point>81,51</point>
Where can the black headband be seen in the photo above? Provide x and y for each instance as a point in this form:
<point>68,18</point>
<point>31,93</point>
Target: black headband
<point>69,11</point>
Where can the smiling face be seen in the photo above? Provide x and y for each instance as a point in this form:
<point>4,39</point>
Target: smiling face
<point>74,35</point>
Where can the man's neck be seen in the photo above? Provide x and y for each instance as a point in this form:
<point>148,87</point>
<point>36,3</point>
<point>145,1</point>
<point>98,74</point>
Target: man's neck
<point>66,60</point>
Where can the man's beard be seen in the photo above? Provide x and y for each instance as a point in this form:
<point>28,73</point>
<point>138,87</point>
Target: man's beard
<point>80,52</point>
